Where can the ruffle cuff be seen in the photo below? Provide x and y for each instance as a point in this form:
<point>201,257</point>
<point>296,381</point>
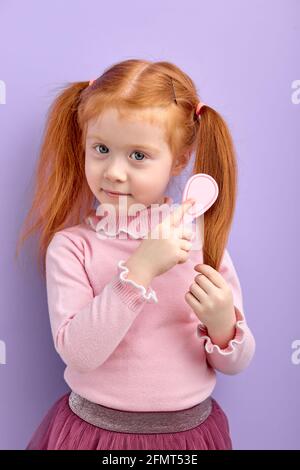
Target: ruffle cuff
<point>132,293</point>
<point>239,338</point>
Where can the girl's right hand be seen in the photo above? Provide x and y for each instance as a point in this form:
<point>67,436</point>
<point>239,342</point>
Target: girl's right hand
<point>158,253</point>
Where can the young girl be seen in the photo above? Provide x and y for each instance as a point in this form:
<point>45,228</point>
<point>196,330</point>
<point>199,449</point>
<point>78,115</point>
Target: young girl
<point>141,323</point>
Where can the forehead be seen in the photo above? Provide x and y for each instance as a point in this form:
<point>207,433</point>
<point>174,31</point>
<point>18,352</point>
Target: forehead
<point>146,123</point>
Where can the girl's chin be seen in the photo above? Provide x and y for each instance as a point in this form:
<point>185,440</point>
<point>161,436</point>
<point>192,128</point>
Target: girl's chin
<point>118,200</point>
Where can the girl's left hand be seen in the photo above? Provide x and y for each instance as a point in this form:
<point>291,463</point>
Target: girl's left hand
<point>211,299</point>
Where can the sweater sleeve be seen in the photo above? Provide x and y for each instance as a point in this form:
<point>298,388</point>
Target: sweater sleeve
<point>237,355</point>
<point>86,329</point>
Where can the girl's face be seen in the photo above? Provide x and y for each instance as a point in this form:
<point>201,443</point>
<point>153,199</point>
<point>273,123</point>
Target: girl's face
<point>128,156</point>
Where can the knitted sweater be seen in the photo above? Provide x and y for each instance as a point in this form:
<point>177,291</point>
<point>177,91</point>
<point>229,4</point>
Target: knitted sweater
<point>125,346</point>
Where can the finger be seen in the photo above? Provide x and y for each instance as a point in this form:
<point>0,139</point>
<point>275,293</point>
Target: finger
<point>214,276</point>
<point>185,245</point>
<point>182,232</point>
<point>198,292</point>
<point>206,285</point>
<point>187,235</point>
<point>193,302</point>
<point>184,256</point>
<point>176,215</point>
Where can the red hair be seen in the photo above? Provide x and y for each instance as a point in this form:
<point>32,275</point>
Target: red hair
<point>61,194</point>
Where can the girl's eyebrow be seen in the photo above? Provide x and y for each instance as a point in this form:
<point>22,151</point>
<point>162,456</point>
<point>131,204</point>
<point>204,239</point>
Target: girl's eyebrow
<point>146,147</point>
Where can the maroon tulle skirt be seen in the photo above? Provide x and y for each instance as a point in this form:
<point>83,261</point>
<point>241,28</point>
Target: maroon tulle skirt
<point>61,429</point>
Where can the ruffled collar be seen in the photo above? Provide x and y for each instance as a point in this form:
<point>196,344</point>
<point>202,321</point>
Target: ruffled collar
<point>107,223</point>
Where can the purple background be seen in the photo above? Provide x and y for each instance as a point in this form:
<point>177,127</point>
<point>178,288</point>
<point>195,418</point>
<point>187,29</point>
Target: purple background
<point>243,57</point>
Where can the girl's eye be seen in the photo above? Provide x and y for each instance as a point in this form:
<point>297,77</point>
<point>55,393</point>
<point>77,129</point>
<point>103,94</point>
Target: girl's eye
<point>139,153</point>
<point>100,145</point>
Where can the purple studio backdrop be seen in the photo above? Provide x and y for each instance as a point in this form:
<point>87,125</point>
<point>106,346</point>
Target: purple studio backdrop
<point>244,59</point>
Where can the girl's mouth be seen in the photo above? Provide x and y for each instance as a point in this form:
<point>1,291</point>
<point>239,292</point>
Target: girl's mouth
<point>114,195</point>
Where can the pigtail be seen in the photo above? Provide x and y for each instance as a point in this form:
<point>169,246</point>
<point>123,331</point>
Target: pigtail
<point>60,188</point>
<point>215,155</point>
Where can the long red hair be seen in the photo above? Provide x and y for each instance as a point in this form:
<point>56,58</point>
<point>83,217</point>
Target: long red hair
<point>61,193</point>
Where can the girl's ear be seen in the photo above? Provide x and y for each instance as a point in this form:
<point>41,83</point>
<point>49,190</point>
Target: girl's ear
<point>180,164</point>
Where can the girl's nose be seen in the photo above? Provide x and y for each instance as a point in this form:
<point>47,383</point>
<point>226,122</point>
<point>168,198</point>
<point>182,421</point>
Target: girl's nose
<point>115,172</point>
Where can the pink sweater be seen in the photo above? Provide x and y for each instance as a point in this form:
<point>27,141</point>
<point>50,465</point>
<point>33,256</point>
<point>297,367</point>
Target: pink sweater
<point>127,347</point>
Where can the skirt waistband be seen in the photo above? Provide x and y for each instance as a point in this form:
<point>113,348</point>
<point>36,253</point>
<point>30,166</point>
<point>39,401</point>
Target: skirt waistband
<point>145,422</point>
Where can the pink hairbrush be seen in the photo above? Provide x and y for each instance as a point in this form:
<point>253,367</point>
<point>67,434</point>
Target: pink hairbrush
<point>204,190</point>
